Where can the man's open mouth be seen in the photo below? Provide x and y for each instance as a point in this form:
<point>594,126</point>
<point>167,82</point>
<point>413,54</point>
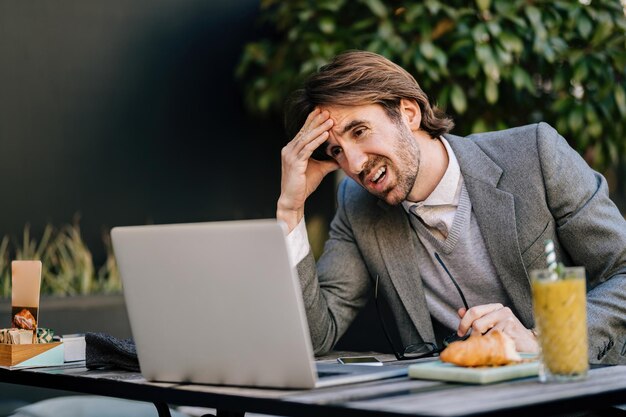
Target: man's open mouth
<point>379,175</point>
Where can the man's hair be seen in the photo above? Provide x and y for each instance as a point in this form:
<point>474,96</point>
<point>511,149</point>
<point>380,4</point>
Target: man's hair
<point>359,78</point>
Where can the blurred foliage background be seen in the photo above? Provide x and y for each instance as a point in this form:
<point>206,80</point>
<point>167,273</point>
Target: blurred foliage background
<point>490,65</point>
<point>67,263</point>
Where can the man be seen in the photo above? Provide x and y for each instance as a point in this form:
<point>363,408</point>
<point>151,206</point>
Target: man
<point>485,204</point>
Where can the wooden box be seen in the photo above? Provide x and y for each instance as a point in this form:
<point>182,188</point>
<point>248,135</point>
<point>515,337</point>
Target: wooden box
<point>39,354</point>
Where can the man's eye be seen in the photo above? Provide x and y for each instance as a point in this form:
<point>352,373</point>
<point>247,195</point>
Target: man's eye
<point>334,152</point>
<point>358,132</point>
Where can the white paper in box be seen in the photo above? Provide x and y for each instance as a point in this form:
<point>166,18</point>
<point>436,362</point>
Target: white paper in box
<point>74,347</point>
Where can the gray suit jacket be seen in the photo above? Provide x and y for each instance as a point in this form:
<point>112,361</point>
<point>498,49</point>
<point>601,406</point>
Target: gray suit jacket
<point>526,185</point>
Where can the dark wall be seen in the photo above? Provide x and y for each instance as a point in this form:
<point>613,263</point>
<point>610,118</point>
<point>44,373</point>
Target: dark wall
<point>127,112</point>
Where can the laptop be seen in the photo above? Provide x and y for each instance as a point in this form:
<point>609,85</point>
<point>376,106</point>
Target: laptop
<point>219,303</point>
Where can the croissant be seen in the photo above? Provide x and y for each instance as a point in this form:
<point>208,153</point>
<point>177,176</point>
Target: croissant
<point>25,320</point>
<point>492,349</point>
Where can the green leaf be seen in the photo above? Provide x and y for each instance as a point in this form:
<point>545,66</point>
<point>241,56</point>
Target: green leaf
<point>419,63</point>
<point>479,126</point>
<point>505,57</point>
<point>584,26</point>
<point>590,114</point>
<point>459,45</point>
<point>414,11</point>
<point>458,99</point>
<point>433,6</point>
<point>575,120</point>
<point>517,21</point>
<point>442,60</point>
<point>561,105</point>
<point>491,91</point>
<point>561,125</point>
<point>505,7</point>
<point>331,5</point>
<point>377,7</point>
<point>511,42</point>
<point>548,52</point>
<point>594,129</point>
<point>433,74</point>
<point>473,68</point>
<point>363,24</point>
<point>519,78</point>
<point>293,33</point>
<point>480,34</point>
<point>580,72</point>
<point>483,4</point>
<point>534,15</point>
<point>427,49</point>
<point>484,53</point>
<point>305,15</point>
<point>326,25</point>
<point>602,32</point>
<point>494,28</point>
<point>620,100</point>
<point>442,98</point>
<point>559,45</point>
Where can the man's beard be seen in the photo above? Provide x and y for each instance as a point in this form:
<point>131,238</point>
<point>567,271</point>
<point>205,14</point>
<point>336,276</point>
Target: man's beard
<point>408,156</point>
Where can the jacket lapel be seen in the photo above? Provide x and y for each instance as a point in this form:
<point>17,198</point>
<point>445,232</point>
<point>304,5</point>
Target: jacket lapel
<point>495,214</point>
<point>396,242</point>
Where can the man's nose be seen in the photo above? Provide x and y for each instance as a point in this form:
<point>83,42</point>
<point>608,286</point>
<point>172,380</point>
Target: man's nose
<point>356,160</point>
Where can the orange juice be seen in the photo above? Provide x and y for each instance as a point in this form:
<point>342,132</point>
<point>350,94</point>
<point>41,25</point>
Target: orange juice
<point>561,318</point>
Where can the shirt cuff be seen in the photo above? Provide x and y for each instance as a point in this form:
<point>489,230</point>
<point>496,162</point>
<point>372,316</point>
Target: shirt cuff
<point>298,243</point>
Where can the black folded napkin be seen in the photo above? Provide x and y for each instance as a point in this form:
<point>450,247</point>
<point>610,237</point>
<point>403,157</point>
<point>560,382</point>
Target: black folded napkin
<point>104,351</point>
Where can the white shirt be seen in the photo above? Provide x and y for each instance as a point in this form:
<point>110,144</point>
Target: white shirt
<point>436,211</point>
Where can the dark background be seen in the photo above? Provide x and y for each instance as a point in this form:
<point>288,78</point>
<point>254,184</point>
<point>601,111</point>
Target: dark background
<point>128,112</point>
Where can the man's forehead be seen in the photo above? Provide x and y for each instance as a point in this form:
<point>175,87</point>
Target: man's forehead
<point>346,116</point>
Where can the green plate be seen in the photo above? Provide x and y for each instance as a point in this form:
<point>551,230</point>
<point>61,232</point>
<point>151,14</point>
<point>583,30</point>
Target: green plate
<point>441,371</point>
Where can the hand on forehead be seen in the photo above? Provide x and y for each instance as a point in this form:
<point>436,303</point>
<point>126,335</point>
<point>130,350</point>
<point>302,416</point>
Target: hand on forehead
<point>344,117</point>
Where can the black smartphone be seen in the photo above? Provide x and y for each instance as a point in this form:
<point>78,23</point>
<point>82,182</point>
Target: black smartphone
<point>360,360</point>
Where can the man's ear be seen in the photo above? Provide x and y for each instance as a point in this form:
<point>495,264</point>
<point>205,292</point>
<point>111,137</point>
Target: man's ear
<point>411,113</point>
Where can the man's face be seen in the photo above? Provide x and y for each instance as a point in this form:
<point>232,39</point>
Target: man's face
<point>382,156</point>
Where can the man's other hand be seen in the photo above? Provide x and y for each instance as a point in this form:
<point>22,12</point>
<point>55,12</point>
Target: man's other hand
<point>486,317</point>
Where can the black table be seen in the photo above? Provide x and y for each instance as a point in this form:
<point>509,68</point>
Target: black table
<point>393,397</point>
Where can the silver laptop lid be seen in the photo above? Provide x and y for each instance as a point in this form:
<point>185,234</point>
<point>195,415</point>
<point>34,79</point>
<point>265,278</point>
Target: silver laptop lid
<point>215,303</point>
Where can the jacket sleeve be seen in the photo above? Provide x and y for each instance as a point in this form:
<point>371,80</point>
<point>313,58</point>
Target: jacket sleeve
<point>592,231</point>
<point>338,288</point>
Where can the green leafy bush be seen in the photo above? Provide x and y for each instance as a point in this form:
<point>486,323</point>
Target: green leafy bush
<point>67,265</point>
<point>490,64</point>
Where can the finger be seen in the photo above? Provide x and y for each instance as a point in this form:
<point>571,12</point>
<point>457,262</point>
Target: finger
<point>313,137</point>
<point>474,314</point>
<point>315,130</point>
<point>314,119</point>
<point>306,151</point>
<point>309,119</point>
<point>461,312</point>
<point>525,340</point>
<point>304,139</point>
<point>502,326</point>
<point>500,319</point>
<point>313,140</point>
<point>306,126</point>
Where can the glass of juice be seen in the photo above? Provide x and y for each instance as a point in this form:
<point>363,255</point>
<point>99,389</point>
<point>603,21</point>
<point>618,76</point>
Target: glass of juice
<point>559,304</point>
